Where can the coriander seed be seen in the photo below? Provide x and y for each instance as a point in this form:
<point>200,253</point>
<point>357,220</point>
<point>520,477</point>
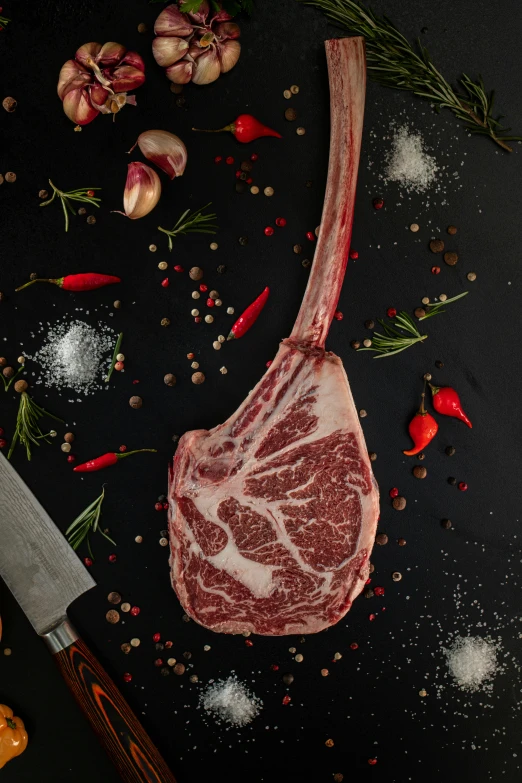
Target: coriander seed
<point>165,322</point>
<point>254,190</point>
<point>169,379</point>
<point>195,365</point>
<point>65,447</point>
<point>10,176</point>
<point>152,248</point>
<point>471,276</point>
<point>414,227</point>
<point>195,294</point>
<point>213,245</point>
<point>269,191</point>
<point>135,402</point>
<point>216,345</point>
<point>223,370</point>
<point>287,94</point>
<point>162,265</point>
<point>209,319</point>
<point>196,273</point>
<point>367,343</point>
<point>294,89</point>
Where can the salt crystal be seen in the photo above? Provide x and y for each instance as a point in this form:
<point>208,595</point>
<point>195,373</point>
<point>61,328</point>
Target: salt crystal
<point>408,163</point>
<point>231,701</point>
<point>472,661</point>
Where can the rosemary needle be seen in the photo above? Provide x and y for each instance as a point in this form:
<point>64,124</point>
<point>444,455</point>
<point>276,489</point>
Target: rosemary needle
<point>87,521</point>
<point>27,429</point>
<point>195,222</point>
<point>114,355</point>
<point>80,194</point>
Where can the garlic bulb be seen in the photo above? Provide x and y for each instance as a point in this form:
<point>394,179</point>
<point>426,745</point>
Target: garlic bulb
<point>142,191</point>
<point>164,149</point>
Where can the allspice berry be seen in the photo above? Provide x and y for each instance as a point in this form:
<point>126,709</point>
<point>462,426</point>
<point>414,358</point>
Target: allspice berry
<point>116,304</point>
<point>420,472</point>
<point>114,598</point>
<point>169,379</point>
<point>419,312</point>
<point>21,386</point>
<point>196,273</point>
<point>197,378</point>
<point>451,258</point>
<point>126,648</point>
<point>436,245</point>
<point>142,27</point>
<point>446,524</point>
<point>112,616</point>
<point>135,402</point>
<point>179,668</point>
<point>8,372</point>
<point>10,176</point>
<point>399,503</point>
<point>3,361</point>
<point>288,678</point>
<point>290,115</point>
<point>9,104</point>
<point>68,437</point>
<point>452,230</point>
<point>381,539</point>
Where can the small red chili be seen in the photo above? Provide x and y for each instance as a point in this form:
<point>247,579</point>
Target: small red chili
<point>203,288</point>
<point>135,610</point>
<point>310,236</point>
<point>229,160</point>
<point>463,486</point>
<point>254,156</point>
<point>210,302</point>
<point>218,159</point>
<point>391,312</point>
<point>338,315</point>
<point>394,492</point>
<point>127,677</point>
<point>112,558</point>
<point>280,221</point>
<point>105,461</point>
<point>249,317</point>
<point>422,429</point>
<point>435,270</point>
<point>447,402</point>
<point>178,268</point>
<point>245,128</point>
<point>269,231</point>
<point>378,203</point>
<point>165,282</point>
<point>87,281</point>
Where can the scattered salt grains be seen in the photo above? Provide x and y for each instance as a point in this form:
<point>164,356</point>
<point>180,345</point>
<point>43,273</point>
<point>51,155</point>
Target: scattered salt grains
<point>472,662</point>
<point>230,701</point>
<point>408,162</point>
<point>75,356</point>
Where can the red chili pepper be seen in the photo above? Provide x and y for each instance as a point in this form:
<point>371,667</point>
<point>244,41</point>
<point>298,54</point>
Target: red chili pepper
<point>245,128</point>
<point>422,429</point>
<point>105,461</point>
<point>249,317</point>
<point>447,402</point>
<point>87,281</point>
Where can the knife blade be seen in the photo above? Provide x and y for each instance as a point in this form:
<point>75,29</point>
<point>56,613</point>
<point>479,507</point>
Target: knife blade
<point>45,576</point>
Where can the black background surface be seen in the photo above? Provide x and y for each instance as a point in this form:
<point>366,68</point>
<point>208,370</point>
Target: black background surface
<point>369,704</point>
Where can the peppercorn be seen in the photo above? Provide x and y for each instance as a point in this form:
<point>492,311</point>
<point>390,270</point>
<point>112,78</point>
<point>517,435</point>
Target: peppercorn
<point>363,413</point>
<point>165,322</point>
<point>452,481</point>
<point>338,777</point>
<point>298,249</point>
<point>240,187</point>
<point>116,304</point>
<point>309,183</point>
<point>91,220</point>
<point>439,365</point>
<point>294,89</point>
<point>221,269</point>
<point>135,402</point>
<point>68,437</point>
<point>126,648</point>
<point>371,568</point>
<point>401,542</point>
<point>471,276</point>
<point>197,378</point>
<point>179,669</point>
<point>8,372</point>
<point>10,176</point>
<point>114,598</point>
<point>2,296</point>
<point>290,114</point>
<point>419,472</point>
<point>370,324</point>
<point>372,455</point>
<point>288,678</point>
<point>463,486</point>
<point>367,343</point>
<point>381,539</point>
<point>451,230</point>
<point>369,593</point>
<point>126,607</point>
<point>355,344</point>
<point>169,379</point>
<point>419,312</point>
<point>300,131</point>
<point>142,27</point>
<point>414,227</point>
<point>196,273</point>
<point>450,450</point>
<point>329,743</point>
<point>243,241</point>
<point>21,386</point>
<point>177,89</point>
<point>445,523</point>
<point>396,576</point>
<point>399,503</point>
<point>306,263</point>
<point>451,258</point>
<point>378,203</point>
<point>9,104</point>
<point>436,245</point>
<point>269,191</point>
<point>246,166</point>
<point>112,616</point>
<point>66,447</point>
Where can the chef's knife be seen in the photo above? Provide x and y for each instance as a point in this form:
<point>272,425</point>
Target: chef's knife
<point>46,576</point>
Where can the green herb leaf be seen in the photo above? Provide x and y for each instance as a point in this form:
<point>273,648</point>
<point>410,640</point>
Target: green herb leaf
<point>89,520</point>
<point>195,223</point>
<point>27,429</point>
<point>80,194</point>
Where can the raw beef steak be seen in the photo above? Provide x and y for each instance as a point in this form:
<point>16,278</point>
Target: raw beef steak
<point>273,513</point>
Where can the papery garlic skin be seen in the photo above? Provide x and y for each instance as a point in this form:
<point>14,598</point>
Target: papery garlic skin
<point>142,191</point>
<point>98,79</point>
<point>165,150</point>
<point>210,44</point>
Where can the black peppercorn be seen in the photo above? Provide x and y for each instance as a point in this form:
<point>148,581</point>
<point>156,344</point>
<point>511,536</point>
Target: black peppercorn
<point>160,646</point>
<point>298,249</point>
<point>355,344</point>
<point>306,263</point>
<point>246,166</point>
<point>450,450</point>
<point>181,102</point>
<point>240,187</point>
<point>243,176</point>
<point>421,456</point>
<point>309,183</point>
<point>187,655</point>
<point>452,481</point>
<point>439,365</point>
<point>221,269</point>
<point>369,324</point>
<point>164,671</point>
<point>369,593</point>
<point>243,241</point>
<point>288,679</point>
<point>33,276</point>
<point>445,523</point>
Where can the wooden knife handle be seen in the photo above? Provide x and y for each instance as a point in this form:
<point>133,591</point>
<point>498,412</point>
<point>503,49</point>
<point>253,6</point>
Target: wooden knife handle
<point>129,746</point>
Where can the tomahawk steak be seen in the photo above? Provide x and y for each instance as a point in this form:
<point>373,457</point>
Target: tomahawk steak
<point>273,513</point>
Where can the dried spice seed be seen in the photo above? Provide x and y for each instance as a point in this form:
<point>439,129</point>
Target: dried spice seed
<point>450,450</point>
<point>165,322</point>
<point>135,402</point>
<point>471,276</point>
<point>445,523</point>
<point>135,642</point>
<point>196,273</point>
<point>294,89</point>
<point>306,263</point>
<point>152,248</point>
<point>9,104</point>
<point>372,455</point>
<point>198,378</point>
<point>269,191</point>
<point>243,241</point>
<point>329,743</point>
<point>419,312</point>
<point>443,297</point>
<point>338,777</point>
<point>363,413</point>
<point>401,542</point>
<point>355,344</point>
<point>452,481</point>
<point>196,294</point>
<point>114,598</point>
<point>369,593</point>
<point>254,190</point>
<point>116,304</point>
<point>213,245</point>
<point>66,447</point>
<point>127,677</point>
<point>378,203</point>
<point>367,343</point>
<point>435,270</point>
<point>425,300</point>
<point>463,486</point>
<point>381,539</point>
<point>414,227</point>
<point>162,265</point>
<point>179,669</point>
<point>21,386</point>
<point>419,472</point>
<point>439,365</point>
<point>125,648</point>
<point>370,324</point>
<point>436,245</point>
<point>142,28</point>
<point>246,166</point>
<point>399,503</point>
<point>169,379</point>
<point>125,607</point>
<point>396,576</point>
<point>112,616</point>
<point>10,176</point>
<point>451,258</point>
<point>300,131</point>
<point>290,114</point>
<point>324,672</point>
<point>451,230</point>
<point>298,249</point>
<point>299,658</point>
<point>287,94</point>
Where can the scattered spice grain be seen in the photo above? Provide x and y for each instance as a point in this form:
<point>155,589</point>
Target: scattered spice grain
<point>396,576</point>
<point>112,616</point>
<point>372,455</point>
<point>287,94</point>
<point>329,743</point>
<point>451,258</point>
<point>21,386</point>
<point>419,312</point>
<point>10,176</point>
<point>294,89</point>
<point>420,472</point>
<point>300,131</point>
<point>471,276</point>
<point>9,104</point>
<point>196,273</point>
<point>126,648</point>
<point>116,304</point>
<point>355,344</point>
<point>401,542</point>
<point>414,227</point>
<point>399,503</point>
<point>268,191</point>
<point>436,245</point>
<point>370,324</point>
<point>290,114</point>
<point>169,379</point>
<point>179,669</point>
<point>381,539</point>
<point>367,343</point>
<point>198,378</point>
<point>450,450</point>
<point>125,607</point>
<point>114,598</point>
<point>165,322</point>
<point>452,230</point>
<point>135,402</point>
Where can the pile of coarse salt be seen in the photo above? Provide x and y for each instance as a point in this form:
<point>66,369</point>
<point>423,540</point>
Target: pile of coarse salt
<point>408,163</point>
<point>472,662</point>
<point>75,356</point>
<point>231,702</point>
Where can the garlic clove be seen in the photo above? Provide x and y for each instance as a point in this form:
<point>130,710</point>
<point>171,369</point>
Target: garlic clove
<point>172,22</point>
<point>164,149</point>
<point>98,96</point>
<point>111,53</point>
<point>71,77</point>
<point>126,77</point>
<point>134,59</point>
<point>227,30</point>
<point>229,52</point>
<point>142,191</point>
<point>207,67</point>
<point>180,72</point>
<point>78,107</point>
<point>86,54</point>
<point>167,51</point>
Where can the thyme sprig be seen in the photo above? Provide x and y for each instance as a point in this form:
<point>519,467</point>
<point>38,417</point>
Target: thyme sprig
<point>81,194</point>
<point>395,63</point>
<point>394,340</point>
<point>27,429</point>
<point>195,222</point>
<point>87,521</point>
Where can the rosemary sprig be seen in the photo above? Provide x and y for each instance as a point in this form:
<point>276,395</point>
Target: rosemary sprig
<point>81,194</point>
<point>27,429</point>
<point>87,521</point>
<point>233,7</point>
<point>195,222</point>
<point>3,21</point>
<point>114,355</point>
<point>394,341</point>
<point>395,63</point>
<point>9,381</point>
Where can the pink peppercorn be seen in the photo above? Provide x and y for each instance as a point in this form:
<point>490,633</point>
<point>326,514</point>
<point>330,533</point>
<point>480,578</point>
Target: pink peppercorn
<point>87,561</point>
<point>274,667</point>
<point>218,159</point>
<point>354,646</point>
<point>3,443</point>
<point>286,699</point>
<point>158,662</point>
<point>122,449</point>
<point>281,222</point>
<point>353,254</point>
<point>112,558</point>
<point>127,677</point>
<point>394,492</point>
<point>338,315</point>
<point>1,431</point>
<point>371,617</point>
<point>135,610</point>
<point>249,643</point>
<point>165,506</point>
<point>119,366</point>
<point>238,173</point>
<point>391,312</point>
<point>378,203</point>
<point>203,288</point>
<point>197,319</point>
<point>135,382</point>
<point>229,160</point>
<point>310,236</point>
<point>158,506</point>
<point>435,270</point>
<point>210,302</point>
<point>168,645</point>
<point>269,362</point>
<point>249,181</point>
<point>165,282</point>
<point>269,231</point>
<point>372,762</point>
<point>178,268</point>
<point>71,458</point>
<point>254,156</point>
<point>378,591</point>
<point>463,486</point>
